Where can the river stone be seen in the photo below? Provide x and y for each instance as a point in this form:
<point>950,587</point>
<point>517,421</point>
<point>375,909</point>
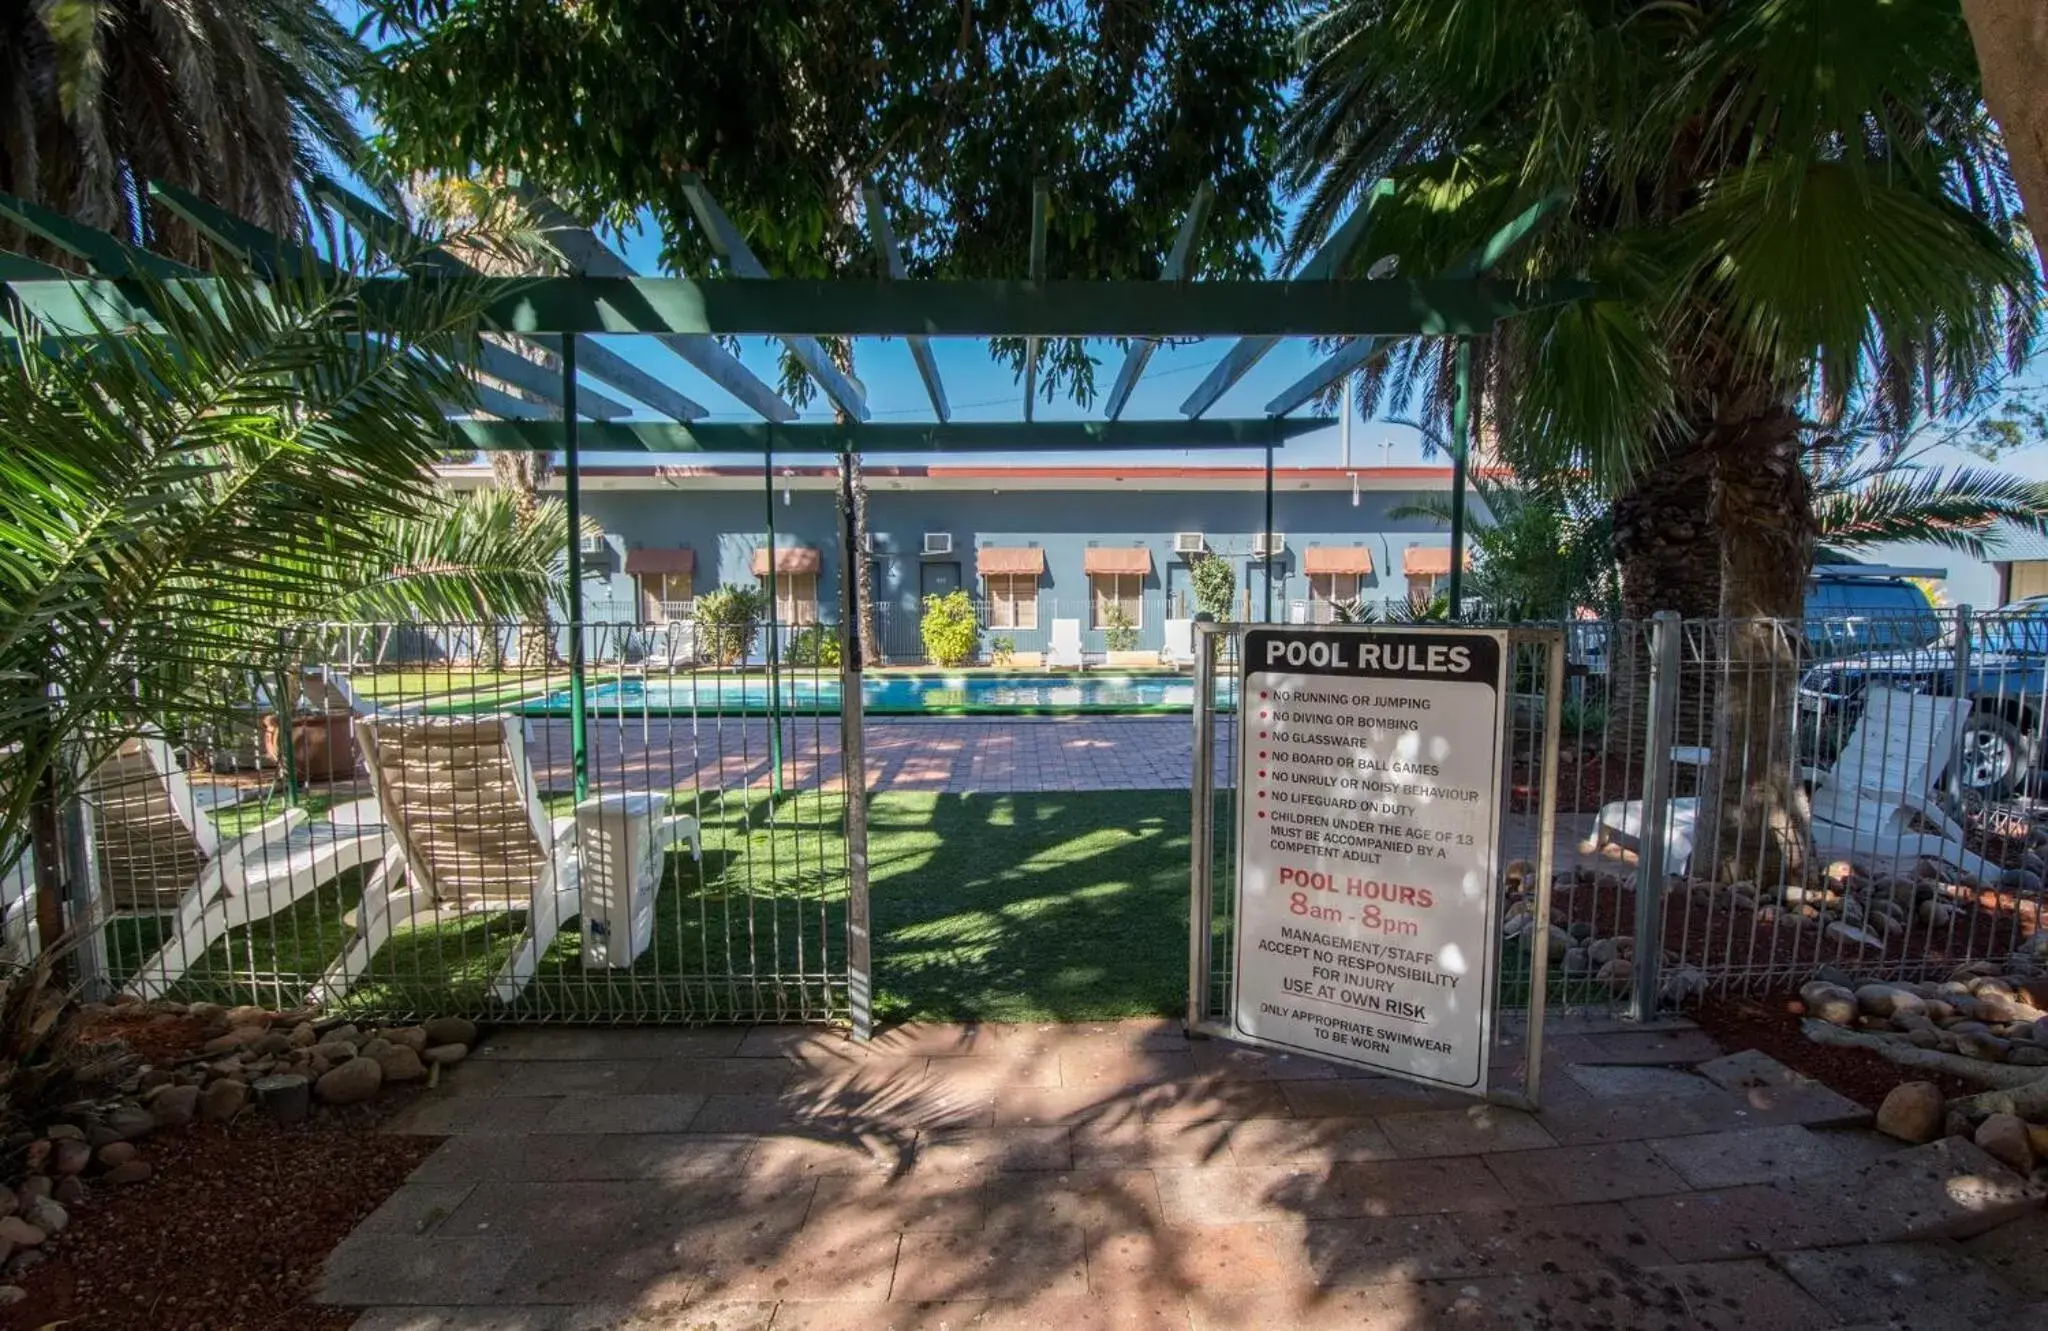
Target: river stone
<point>399,1063</point>
<point>64,1132</point>
<point>284,1097</point>
<point>351,1083</point>
<point>249,1015</point>
<point>1885,1000</point>
<point>303,1036</point>
<point>412,1037</point>
<point>71,1156</point>
<point>117,1153</point>
<point>9,1203</point>
<point>33,1189</point>
<point>1600,951</point>
<point>2027,1056</point>
<point>20,1233</point>
<point>1983,1045</point>
<point>175,1106</point>
<point>47,1215</point>
<point>1912,1112</point>
<point>135,1171</point>
<point>1575,961</point>
<point>208,1012</point>
<point>1829,1002</point>
<point>1855,937</point>
<point>454,1030</point>
<point>445,1054</point>
<point>2004,1138</point>
<point>223,1100</point>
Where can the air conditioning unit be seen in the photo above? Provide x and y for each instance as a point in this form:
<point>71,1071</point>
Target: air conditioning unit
<point>592,544</point>
<point>867,543</point>
<point>1189,543</point>
<point>938,543</point>
<point>1268,543</point>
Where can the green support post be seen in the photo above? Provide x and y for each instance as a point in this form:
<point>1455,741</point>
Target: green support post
<point>774,655</point>
<point>1461,438</point>
<point>1268,613</point>
<point>572,485</point>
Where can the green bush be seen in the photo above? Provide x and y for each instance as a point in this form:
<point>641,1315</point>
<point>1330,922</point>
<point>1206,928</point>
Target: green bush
<point>1215,584</point>
<point>729,621</point>
<point>1002,651</point>
<point>950,631</point>
<point>1118,633</point>
<point>817,645</point>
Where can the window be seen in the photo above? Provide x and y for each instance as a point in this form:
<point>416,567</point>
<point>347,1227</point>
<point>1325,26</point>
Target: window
<point>1012,601</point>
<point>666,596</point>
<point>1108,589</point>
<point>1424,587</point>
<point>1326,591</point>
<point>796,598</point>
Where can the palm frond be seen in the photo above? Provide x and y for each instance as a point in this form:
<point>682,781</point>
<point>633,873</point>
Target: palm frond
<point>1960,508</point>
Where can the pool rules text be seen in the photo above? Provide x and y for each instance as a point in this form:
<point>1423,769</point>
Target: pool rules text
<point>1369,810</point>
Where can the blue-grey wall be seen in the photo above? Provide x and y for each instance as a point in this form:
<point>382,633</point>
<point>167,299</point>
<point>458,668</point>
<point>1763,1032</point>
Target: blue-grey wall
<point>725,527</point>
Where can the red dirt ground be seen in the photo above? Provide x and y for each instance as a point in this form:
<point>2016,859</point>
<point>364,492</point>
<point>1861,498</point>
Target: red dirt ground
<point>1770,1024</point>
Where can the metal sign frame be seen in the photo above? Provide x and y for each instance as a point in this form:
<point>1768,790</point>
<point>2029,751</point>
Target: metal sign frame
<point>1201,1018</point>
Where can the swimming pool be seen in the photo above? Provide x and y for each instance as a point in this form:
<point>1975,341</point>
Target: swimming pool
<point>891,695</point>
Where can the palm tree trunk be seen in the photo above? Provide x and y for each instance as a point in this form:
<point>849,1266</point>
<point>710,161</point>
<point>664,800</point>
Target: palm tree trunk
<point>1754,820</point>
<point>2011,37</point>
<point>863,571</point>
<point>1667,548</point>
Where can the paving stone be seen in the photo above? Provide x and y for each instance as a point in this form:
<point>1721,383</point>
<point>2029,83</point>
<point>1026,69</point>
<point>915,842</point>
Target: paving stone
<point>1641,1048</point>
<point>917,1201</point>
<point>1604,1172</point>
<point>953,1150</point>
<point>415,1209</point>
<point>1946,1189</point>
<point>1471,1131</point>
<point>1243,1063</point>
<point>1382,1307</point>
<point>1001,1262</point>
<point>1097,1064</point>
<point>1639,1301</point>
<point>802,1044</point>
<point>837,1153</point>
<point>486,1116</point>
<point>1101,1201</point>
<point>1373,1097</point>
<point>1165,1033</point>
<point>1744,1296</point>
<point>1394,1187</point>
<point>1382,1249</point>
<point>1594,1236</point>
<point>2028,1315</point>
<point>1232,1194</point>
<point>1069,1106</point>
<point>1768,1155</point>
<point>1902,1280</point>
<point>462,1319</point>
<point>557,1209</point>
<point>609,1076</point>
<point>2014,1252</point>
<point>1121,1311</point>
<point>1208,1100</point>
<point>1584,1121</point>
<point>1129,1145</point>
<point>1772,1092</point>
<point>1741,1222</point>
<point>983,1077</point>
<point>642,1270</point>
<point>1247,1256</point>
<point>1308,1143</point>
<point>1623,1082</point>
<point>714,1076</point>
<point>933,1039</point>
<point>625,1113</point>
<point>583,1156</point>
<point>379,1270</point>
<point>570,1042</point>
<point>694,1316</point>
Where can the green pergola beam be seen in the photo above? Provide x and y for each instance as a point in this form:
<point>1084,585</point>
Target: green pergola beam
<point>1392,307</point>
<point>894,268</point>
<point>1041,205</point>
<point>543,382</point>
<point>892,437</point>
<point>1497,247</point>
<point>589,256</point>
<point>1139,355</point>
<point>1347,359</point>
<point>108,255</point>
<point>269,254</point>
<point>732,247</point>
<point>394,237</point>
<point>1321,269</point>
<point>20,268</point>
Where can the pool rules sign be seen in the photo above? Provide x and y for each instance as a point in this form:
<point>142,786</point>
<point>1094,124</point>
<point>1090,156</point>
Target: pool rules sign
<point>1369,825</point>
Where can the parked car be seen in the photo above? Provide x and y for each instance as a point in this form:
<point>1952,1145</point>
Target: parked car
<point>2005,677</point>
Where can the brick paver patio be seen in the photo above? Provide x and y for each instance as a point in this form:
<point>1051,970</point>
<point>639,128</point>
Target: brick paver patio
<point>1083,1177</point>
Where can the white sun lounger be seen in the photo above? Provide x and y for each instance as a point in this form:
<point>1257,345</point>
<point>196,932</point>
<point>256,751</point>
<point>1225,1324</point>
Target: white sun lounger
<point>1064,651</point>
<point>1179,647</point>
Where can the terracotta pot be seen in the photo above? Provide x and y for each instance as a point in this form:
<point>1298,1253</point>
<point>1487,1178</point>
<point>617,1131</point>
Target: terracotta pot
<point>323,747</point>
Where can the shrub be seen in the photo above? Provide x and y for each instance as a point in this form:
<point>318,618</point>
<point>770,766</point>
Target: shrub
<point>817,645</point>
<point>728,622</point>
<point>1215,585</point>
<point>1118,633</point>
<point>1002,651</point>
<point>950,631</point>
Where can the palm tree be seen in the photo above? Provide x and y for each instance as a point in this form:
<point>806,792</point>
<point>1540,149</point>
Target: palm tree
<point>235,100</point>
<point>1787,207</point>
<point>2011,37</point>
<point>172,504</point>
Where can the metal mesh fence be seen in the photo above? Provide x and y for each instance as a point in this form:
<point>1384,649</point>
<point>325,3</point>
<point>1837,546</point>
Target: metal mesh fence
<point>429,842</point>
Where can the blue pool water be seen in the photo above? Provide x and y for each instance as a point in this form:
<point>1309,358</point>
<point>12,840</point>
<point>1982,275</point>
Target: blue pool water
<point>900,695</point>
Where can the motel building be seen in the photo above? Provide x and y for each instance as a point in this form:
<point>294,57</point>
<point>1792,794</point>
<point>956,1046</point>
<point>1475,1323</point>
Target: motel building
<point>1030,544</point>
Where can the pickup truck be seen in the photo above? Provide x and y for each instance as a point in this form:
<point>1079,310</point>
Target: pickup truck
<point>2006,677</point>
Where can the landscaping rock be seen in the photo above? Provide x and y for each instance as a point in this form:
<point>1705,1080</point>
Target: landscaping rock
<point>351,1083</point>
<point>461,1030</point>
<point>1829,1002</point>
<point>1852,935</point>
<point>303,1036</point>
<point>412,1037</point>
<point>71,1156</point>
<point>20,1233</point>
<point>47,1215</point>
<point>11,1295</point>
<point>1912,1112</point>
<point>445,1054</point>
<point>134,1171</point>
<point>175,1106</point>
<point>1888,1000</point>
<point>9,1203</point>
<point>334,1051</point>
<point>205,1011</point>
<point>33,1189</point>
<point>65,1132</point>
<point>1983,1045</point>
<point>117,1153</point>
<point>248,1015</point>
<point>70,1190</point>
<point>223,1100</point>
<point>237,1039</point>
<point>399,1063</point>
<point>272,1044</point>
<point>284,1097</point>
<point>2004,1138</point>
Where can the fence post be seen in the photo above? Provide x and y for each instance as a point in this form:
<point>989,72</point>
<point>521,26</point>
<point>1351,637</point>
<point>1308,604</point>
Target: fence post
<point>1666,633</point>
<point>1201,828</point>
<point>1962,690</point>
<point>853,775</point>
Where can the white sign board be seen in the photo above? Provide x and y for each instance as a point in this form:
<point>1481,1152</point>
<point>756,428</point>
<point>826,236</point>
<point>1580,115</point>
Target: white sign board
<point>1369,826</point>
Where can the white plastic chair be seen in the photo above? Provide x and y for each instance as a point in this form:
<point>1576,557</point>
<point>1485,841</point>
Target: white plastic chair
<point>1064,651</point>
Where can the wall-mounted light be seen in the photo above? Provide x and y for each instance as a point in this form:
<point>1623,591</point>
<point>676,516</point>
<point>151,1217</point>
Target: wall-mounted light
<point>1354,489</point>
<point>785,496</point>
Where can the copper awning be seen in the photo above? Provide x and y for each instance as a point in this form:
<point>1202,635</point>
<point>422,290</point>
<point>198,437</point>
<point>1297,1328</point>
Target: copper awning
<point>1341,559</point>
<point>1429,561</point>
<point>1000,560</point>
<point>1118,559</point>
<point>680,559</point>
<point>788,559</point>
